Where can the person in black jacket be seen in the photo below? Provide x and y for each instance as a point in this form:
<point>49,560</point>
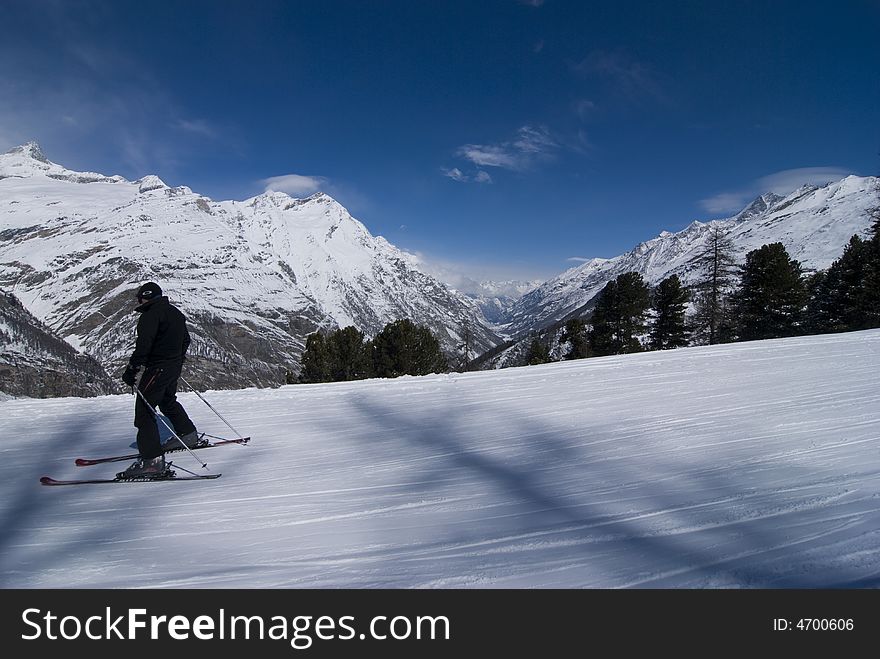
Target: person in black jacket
<point>162,342</point>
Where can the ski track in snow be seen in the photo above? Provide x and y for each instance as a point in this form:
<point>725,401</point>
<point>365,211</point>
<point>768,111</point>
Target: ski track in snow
<point>739,466</point>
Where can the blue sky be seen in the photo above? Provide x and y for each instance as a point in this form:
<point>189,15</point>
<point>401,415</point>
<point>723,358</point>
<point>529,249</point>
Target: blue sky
<point>502,138</point>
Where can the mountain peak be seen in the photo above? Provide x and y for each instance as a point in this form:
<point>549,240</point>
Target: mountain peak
<point>150,182</point>
<point>31,150</point>
<point>759,205</point>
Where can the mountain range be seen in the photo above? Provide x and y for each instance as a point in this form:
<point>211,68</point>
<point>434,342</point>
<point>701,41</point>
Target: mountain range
<point>814,223</point>
<point>255,277</point>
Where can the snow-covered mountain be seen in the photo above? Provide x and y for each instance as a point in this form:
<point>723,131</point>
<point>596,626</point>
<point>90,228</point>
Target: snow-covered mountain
<point>254,277</point>
<point>814,224</point>
<point>496,298</point>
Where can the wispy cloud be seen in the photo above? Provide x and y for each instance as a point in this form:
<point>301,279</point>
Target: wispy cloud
<point>489,155</point>
<point>294,184</point>
<point>529,145</point>
<point>196,127</point>
<point>791,179</point>
<point>457,175</point>
<point>584,107</point>
<point>781,183</point>
<point>466,276</point>
<point>630,77</point>
<point>89,101</point>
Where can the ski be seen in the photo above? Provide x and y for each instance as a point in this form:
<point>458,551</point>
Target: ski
<point>46,480</point>
<point>87,462</point>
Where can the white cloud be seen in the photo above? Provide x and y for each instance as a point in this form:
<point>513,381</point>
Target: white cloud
<point>294,184</point>
<point>790,180</point>
<point>727,202</point>
<point>534,140</point>
<point>455,174</point>
<point>529,145</point>
<point>781,183</point>
<point>465,276</point>
<point>491,156</point>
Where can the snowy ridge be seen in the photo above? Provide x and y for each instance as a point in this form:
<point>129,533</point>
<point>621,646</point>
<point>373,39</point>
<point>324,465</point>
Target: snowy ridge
<point>254,277</point>
<point>747,465</point>
<point>814,224</point>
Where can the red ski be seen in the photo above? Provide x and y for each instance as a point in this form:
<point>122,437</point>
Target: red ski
<point>86,462</point>
<point>46,480</point>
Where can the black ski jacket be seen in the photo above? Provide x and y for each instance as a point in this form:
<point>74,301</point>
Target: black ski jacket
<point>162,336</point>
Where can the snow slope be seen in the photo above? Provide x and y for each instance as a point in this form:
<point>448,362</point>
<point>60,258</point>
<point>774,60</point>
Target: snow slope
<point>745,465</point>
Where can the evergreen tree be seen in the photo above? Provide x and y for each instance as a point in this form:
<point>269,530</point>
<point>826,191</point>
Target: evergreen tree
<point>601,338</point>
<point>619,316</point>
<point>315,360</point>
<point>839,298</point>
<point>403,348</point>
<point>633,300</point>
<point>718,266</point>
<point>872,275</point>
<point>670,303</point>
<point>348,356</point>
<point>772,294</point>
<point>575,333</point>
<point>538,353</point>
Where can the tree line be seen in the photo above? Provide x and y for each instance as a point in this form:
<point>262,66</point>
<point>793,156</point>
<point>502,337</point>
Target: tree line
<point>768,297</point>
<point>401,348</point>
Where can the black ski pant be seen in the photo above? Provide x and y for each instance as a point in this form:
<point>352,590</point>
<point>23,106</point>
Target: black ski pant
<point>159,386</point>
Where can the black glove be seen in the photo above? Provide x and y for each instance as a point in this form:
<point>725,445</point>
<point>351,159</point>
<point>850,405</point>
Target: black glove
<point>130,374</point>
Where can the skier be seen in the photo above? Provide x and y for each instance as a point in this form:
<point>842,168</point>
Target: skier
<point>162,341</point>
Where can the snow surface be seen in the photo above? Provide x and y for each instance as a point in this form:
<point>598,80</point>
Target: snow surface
<point>751,465</point>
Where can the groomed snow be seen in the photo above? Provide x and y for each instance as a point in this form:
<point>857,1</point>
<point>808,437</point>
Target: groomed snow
<point>753,465</point>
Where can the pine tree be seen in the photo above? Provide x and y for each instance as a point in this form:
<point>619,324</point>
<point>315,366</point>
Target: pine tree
<point>633,300</point>
<point>718,265</point>
<point>872,275</point>
<point>315,360</point>
<point>538,353</point>
<point>839,298</point>
<point>403,348</point>
<point>670,303</point>
<point>619,316</point>
<point>602,337</point>
<point>772,294</point>
<point>575,334</point>
<point>348,357</point>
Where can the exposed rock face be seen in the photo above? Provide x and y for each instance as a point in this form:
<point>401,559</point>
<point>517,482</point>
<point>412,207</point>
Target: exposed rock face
<point>37,364</point>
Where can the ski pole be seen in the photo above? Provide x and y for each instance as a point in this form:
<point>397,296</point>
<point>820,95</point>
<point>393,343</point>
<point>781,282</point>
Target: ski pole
<point>170,429</point>
<point>240,436</point>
